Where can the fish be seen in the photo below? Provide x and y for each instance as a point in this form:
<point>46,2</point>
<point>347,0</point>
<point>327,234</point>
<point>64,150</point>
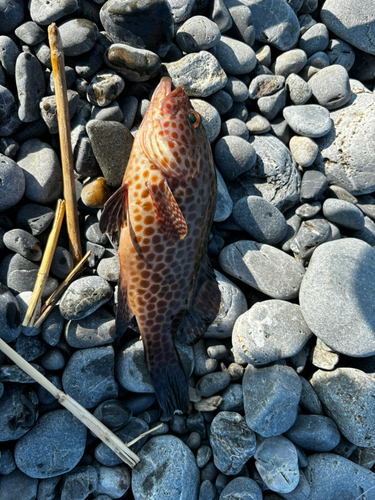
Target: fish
<point>164,209</point>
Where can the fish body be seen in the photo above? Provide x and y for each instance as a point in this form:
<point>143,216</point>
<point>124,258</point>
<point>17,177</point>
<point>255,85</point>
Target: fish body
<point>164,208</point>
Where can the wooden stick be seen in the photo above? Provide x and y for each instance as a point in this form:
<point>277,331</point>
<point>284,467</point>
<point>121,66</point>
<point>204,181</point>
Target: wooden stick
<point>58,68</point>
<point>52,299</point>
<point>99,429</point>
<point>45,265</point>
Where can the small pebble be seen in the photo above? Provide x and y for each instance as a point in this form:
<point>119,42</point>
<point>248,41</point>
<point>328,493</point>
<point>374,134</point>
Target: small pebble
<point>133,64</point>
<point>309,120</point>
<point>291,61</point>
<point>12,186</point>
<point>330,86</point>
<point>304,150</point>
<point>233,156</point>
<point>343,214</point>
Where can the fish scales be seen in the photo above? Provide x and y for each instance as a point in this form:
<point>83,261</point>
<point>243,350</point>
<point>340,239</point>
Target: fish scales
<point>164,209</point>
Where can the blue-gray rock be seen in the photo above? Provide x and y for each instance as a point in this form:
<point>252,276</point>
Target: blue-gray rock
<point>238,110</point>
<point>42,171</point>
<point>242,22</point>
<point>232,398</point>
<point>304,150</point>
<point>337,270</point>
<point>291,61</point>
<point>343,213</point>
<point>224,203</point>
<point>19,485</point>
<point>204,454</point>
<point>112,112</point>
<point>92,232</point>
<point>43,13</point>
<point>43,53</point>
<point>351,22</point>
<point>48,108</point>
<point>30,33</point>
<point>12,186</point>
<point>113,413</point>
<point>257,124</point>
<point>181,10</point>
<point>12,373</point>
<point>276,460</point>
<point>180,478</point>
<point>18,411</point>
<point>211,120</point>
<point>44,396</point>
<point>84,296</point>
<point>96,381</point>
<point>8,55</point>
<point>212,383</point>
<point>265,85</point>
<point>310,120</point>
<point>90,62</point>
<point>134,64</point>
<point>367,233</point>
<point>199,73</point>
<point>155,32</point>
<point>235,57</point>
<point>34,218</point>
<point>271,395</point>
<point>330,86</point>
<point>105,87</point>
<point>53,360</point>
<point>363,68</point>
<point>11,15</point>
<point>270,106</point>
<point>311,233</point>
<point>340,52</point>
<point>30,348</point>
<point>207,490</point>
<point>9,121</point>
<point>262,220</point>
<point>236,127</point>
<point>7,463</point>
<point>30,86</point>
<point>313,185</point>
<point>232,442</point>
<point>78,36</point>
<point>237,89</point>
<point>221,101</point>
<point>332,476</point>
<point>95,330</point>
<point>234,156</point>
<point>22,242</point>
<point>197,33</point>
<point>269,331</point>
<point>263,267</point>
<point>219,14</point>
<point>309,399</point>
<point>113,482</point>
<point>23,300</point>
<point>314,432</point>
<point>275,23</point>
<point>299,90</point>
<point>62,262</point>
<point>315,39</point>
<point>9,315</point>
<point>242,488</point>
<point>52,327</point>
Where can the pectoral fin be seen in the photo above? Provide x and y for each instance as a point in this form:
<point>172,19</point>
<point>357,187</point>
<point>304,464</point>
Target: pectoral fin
<point>203,306</point>
<point>123,312</point>
<point>168,214</point>
<point>114,216</point>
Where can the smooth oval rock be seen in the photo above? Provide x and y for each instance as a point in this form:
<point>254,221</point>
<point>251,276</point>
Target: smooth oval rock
<point>243,488</point>
<point>12,185</point>
<point>96,329</point>
<point>197,33</point>
<point>343,213</point>
<point>134,64</point>
<point>233,156</point>
<point>309,120</point>
<point>314,432</point>
<point>330,86</point>
<point>18,411</point>
<point>235,57</point>
<point>10,319</point>
<point>44,13</point>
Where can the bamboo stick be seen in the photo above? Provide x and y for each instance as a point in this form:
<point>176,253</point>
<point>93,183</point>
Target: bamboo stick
<point>45,265</point>
<point>97,427</point>
<point>58,68</point>
<point>52,299</point>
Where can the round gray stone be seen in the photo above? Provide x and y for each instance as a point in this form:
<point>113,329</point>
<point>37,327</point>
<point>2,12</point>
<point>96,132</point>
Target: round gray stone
<point>242,488</point>
<point>343,213</point>
<point>311,233</point>
<point>235,57</point>
<point>310,120</point>
<point>233,156</point>
<point>330,86</point>
<point>237,89</point>
<point>313,186</point>
<point>338,270</point>
<point>96,329</point>
<point>78,36</point>
<point>269,331</point>
<point>314,432</point>
<point>24,243</point>
<point>84,296</point>
<point>30,86</point>
<point>30,33</point>
<point>271,396</point>
<point>113,482</point>
<point>134,64</point>
<point>210,118</point>
<point>12,13</point>
<point>9,315</point>
<point>22,486</point>
<point>52,447</point>
<point>309,399</point>
<point>212,383</point>
<point>299,90</point>
<point>263,267</point>
<point>12,184</point>
<point>9,121</point>
<point>340,52</point>
<point>315,39</point>
<point>291,61</point>
<point>18,411</point>
<point>180,474</point>
<point>270,106</point>
<point>224,203</point>
<point>257,124</point>
<point>197,33</point>
<point>45,13</point>
<point>304,150</point>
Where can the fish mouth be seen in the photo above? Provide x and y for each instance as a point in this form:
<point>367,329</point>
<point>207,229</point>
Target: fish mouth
<point>165,87</point>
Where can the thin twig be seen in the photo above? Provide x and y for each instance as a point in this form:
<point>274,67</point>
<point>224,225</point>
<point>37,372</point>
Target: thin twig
<point>58,68</point>
<point>45,265</point>
<point>143,435</point>
<point>53,299</point>
<point>97,427</point>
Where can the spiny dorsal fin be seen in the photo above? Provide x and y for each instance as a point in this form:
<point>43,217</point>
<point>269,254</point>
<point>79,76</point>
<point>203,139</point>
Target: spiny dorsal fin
<point>114,216</point>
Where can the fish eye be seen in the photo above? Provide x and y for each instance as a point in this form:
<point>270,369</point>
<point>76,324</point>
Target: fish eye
<point>194,119</point>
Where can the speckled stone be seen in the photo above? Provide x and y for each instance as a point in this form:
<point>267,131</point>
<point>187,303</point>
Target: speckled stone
<point>330,86</point>
<point>78,36</point>
<point>105,87</point>
<point>265,85</point>
<point>22,242</point>
<point>243,488</point>
<point>30,86</point>
<point>12,186</point>
<point>30,33</point>
<point>299,90</point>
<point>291,61</point>
<point>45,13</point>
<point>343,214</point>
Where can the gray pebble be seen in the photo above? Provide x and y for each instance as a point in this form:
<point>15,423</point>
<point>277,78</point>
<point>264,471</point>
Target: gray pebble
<point>53,360</point>
<point>280,128</point>
<point>43,13</point>
<point>104,88</point>
<point>210,118</point>
<point>235,57</point>
<point>48,109</point>
<point>204,454</point>
<point>330,86</point>
<point>9,121</point>
<point>277,463</point>
<point>95,330</point>
<point>309,399</point>
<point>324,357</point>
<point>270,106</point>
<point>113,413</point>
<point>221,101</point>
<point>232,442</point>
<point>232,398</point>
<point>128,106</point>
<point>52,447</point>
<point>337,270</point>
<point>291,61</point>
<point>203,363</point>
<point>12,373</point>
<point>30,33</point>
<point>44,396</point>
<point>343,213</point>
<point>92,231</point>
<point>8,55</point>
<point>19,484</point>
<point>271,396</point>
<point>30,348</point>
<point>90,62</point>
<point>310,120</point>
<point>257,124</point>
<point>113,482</point>
<point>340,52</point>
<point>193,441</point>
<point>236,89</point>
<point>217,351</point>
<point>34,218</point>
<point>43,54</point>
<point>212,383</point>
<point>181,10</point>
<point>304,150</point>
<point>233,156</point>
<point>197,33</point>
<point>200,74</point>
<point>42,171</point>
<point>84,296</point>
<point>308,210</point>
<point>263,267</point>
<point>219,14</point>
<point>62,262</point>
<point>18,411</point>
<point>7,464</point>
<point>265,85</point>
<point>313,186</point>
<point>178,424</point>
<point>12,186</point>
<point>299,90</point>
<point>133,64</point>
<point>242,22</point>
<point>238,110</point>
<point>195,423</point>
<point>224,204</point>
<point>367,233</point>
<point>78,36</point>
<point>165,451</point>
<point>30,86</point>
<point>314,39</point>
<point>236,127</point>
<point>9,315</point>
<point>242,488</point>
<point>79,483</point>
<point>314,432</point>
<point>269,331</point>
<point>52,327</point>
<point>311,233</point>
<point>23,300</point>
<point>262,220</point>
<point>364,67</point>
<point>112,112</point>
<point>9,147</point>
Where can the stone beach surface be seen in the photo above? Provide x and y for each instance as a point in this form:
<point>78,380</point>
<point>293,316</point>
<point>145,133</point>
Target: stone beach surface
<point>282,384</point>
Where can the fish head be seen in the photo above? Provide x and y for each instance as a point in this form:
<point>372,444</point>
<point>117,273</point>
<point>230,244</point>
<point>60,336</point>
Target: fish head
<point>172,134</point>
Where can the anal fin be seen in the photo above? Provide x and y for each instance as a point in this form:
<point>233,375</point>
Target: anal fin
<point>114,214</point>
<point>203,306</point>
<point>123,312</point>
<point>168,214</point>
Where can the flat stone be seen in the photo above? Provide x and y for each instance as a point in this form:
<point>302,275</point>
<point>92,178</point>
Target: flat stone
<point>310,120</point>
<point>264,268</point>
<point>313,186</point>
<point>291,61</point>
<point>343,213</point>
<point>78,36</point>
<point>30,86</point>
<point>346,153</point>
<point>271,396</point>
<point>134,64</point>
<point>269,331</point>
<point>95,330</point>
<point>242,487</point>
<point>265,85</point>
<point>199,73</point>
<point>314,432</point>
<point>330,86</point>
<point>233,156</point>
<point>180,477</point>
<point>12,186</point>
<point>44,14</point>
<point>30,33</point>
<point>197,33</point>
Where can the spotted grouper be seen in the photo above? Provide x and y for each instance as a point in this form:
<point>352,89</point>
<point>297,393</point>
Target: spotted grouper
<point>164,209</point>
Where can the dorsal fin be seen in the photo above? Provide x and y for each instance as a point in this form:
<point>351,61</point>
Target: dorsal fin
<point>114,214</point>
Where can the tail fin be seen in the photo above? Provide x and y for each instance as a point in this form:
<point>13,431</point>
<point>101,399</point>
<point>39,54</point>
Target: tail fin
<point>170,386</point>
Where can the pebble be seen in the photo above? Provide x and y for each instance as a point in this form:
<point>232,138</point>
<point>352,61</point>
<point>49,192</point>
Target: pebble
<point>7,464</point>
<point>242,22</point>
<point>96,381</point>
<point>309,399</point>
<point>30,86</point>
<point>180,476</point>
<point>34,218</point>
<point>8,55</point>
<point>257,124</point>
<point>21,486</point>
<point>367,233</point>
<point>242,488</point>
<point>291,61</point>
<point>224,203</point>
<point>212,383</point>
<point>235,57</point>
<point>299,90</point>
<point>310,120</point>
<point>311,233</point>
<point>263,267</point>
<point>232,442</point>
<point>219,14</point>
<point>199,73</point>
<point>270,106</point>
<point>314,432</point>
<point>79,483</point>
<point>269,331</point>
<point>236,127</point>
<point>113,413</point>
<point>48,108</point>
<point>23,300</point>
<point>44,396</point>
<point>276,461</point>
<point>104,88</point>
<point>44,14</point>
<point>330,86</point>
<point>221,101</point>
<point>271,396</point>
<point>265,85</point>
<point>43,54</point>
<point>343,213</point>
<point>197,33</point>
<point>233,156</point>
<point>62,263</point>
<point>78,36</point>
<point>93,331</point>
<point>113,482</point>
<point>52,447</point>
<point>203,363</point>
<point>9,315</point>
<point>304,150</point>
<point>262,220</point>
<point>53,360</point>
<point>9,121</point>
<point>92,231</point>
<point>364,68</point>
<point>340,52</point>
<point>22,242</point>
<point>210,118</point>
<point>314,39</point>
<point>18,411</point>
<point>237,89</point>
<point>232,398</point>
<point>12,186</point>
<point>30,33</point>
<point>313,186</point>
<point>134,64</point>
<point>11,16</point>
<point>42,170</point>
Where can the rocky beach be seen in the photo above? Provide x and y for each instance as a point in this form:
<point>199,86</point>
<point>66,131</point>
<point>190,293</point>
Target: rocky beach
<point>282,385</point>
